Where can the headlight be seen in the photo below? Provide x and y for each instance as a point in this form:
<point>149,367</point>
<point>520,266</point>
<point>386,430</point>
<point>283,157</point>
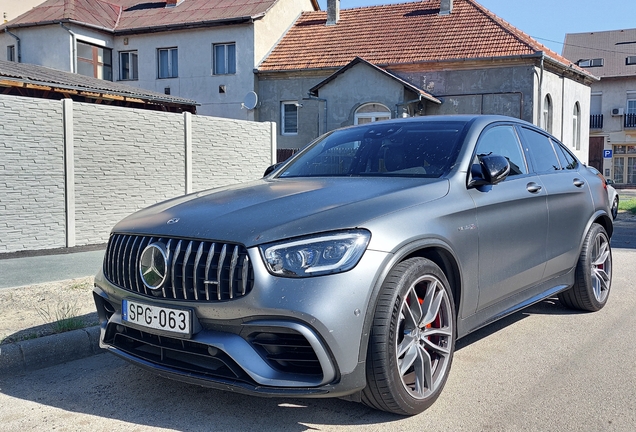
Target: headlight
<point>318,255</point>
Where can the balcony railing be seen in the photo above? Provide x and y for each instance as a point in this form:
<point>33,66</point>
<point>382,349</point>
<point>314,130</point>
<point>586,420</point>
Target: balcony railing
<point>596,121</point>
<point>630,120</point>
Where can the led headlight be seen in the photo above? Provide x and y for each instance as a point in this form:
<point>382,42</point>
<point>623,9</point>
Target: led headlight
<point>317,255</point>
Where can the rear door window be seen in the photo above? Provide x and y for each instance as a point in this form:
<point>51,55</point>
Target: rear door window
<point>542,154</point>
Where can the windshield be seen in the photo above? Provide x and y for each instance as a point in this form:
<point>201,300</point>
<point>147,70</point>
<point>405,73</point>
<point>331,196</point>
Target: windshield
<point>403,149</point>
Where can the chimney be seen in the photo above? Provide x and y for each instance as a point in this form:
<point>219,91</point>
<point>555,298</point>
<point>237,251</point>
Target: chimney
<point>333,12</point>
<point>171,3</point>
<point>445,7</point>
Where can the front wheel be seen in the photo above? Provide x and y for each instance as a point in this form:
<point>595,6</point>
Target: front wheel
<point>412,339</point>
<point>593,278</point>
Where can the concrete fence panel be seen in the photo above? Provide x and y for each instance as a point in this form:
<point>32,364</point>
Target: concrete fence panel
<point>69,171</point>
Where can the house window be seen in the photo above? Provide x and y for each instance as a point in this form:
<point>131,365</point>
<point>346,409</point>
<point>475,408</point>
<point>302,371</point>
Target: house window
<point>576,127</point>
<point>597,62</point>
<point>289,117</point>
<point>168,62</point>
<point>94,61</point>
<point>11,53</point>
<point>631,60</point>
<point>547,113</point>
<point>631,103</point>
<point>128,65</point>
<point>371,112</point>
<point>224,59</point>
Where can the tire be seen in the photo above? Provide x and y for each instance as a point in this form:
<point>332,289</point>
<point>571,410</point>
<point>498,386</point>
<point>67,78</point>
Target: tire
<point>615,208</point>
<point>412,339</point>
<point>593,278</point>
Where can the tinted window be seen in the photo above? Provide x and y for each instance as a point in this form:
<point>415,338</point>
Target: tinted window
<point>405,149</point>
<point>503,141</point>
<point>565,157</point>
<point>541,152</point>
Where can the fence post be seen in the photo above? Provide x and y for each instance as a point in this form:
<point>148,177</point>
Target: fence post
<point>187,136</point>
<point>273,143</point>
<point>69,170</point>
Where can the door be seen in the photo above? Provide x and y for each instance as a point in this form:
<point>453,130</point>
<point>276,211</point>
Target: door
<point>595,155</point>
<point>510,259</point>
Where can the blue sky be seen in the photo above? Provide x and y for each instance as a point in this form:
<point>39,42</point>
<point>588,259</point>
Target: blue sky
<point>546,20</point>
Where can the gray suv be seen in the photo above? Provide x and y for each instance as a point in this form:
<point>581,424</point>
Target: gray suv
<point>352,269</point>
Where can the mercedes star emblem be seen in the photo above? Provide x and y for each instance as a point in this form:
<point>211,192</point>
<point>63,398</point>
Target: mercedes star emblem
<point>153,265</point>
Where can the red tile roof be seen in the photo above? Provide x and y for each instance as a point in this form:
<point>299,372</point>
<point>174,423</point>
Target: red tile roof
<point>401,34</point>
<point>128,15</point>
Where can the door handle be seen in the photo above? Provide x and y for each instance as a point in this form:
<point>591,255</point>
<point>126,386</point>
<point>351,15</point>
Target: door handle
<point>578,182</point>
<point>533,187</point>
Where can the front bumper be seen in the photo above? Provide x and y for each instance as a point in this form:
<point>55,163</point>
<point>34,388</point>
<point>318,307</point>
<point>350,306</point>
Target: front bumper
<point>299,337</point>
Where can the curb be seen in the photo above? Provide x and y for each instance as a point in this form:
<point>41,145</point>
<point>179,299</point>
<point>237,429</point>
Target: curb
<point>39,353</point>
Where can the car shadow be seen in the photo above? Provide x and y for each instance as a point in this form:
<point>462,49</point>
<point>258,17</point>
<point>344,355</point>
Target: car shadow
<point>550,306</point>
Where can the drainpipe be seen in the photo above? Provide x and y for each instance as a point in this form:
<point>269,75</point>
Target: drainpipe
<point>73,48</point>
<point>310,97</point>
<point>17,40</point>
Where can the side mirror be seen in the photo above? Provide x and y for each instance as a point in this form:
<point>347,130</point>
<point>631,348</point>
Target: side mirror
<point>609,181</point>
<point>492,169</point>
<point>270,169</point>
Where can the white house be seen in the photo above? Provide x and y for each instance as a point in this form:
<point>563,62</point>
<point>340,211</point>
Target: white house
<point>204,50</point>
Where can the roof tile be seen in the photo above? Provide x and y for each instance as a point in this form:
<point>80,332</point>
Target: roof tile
<point>400,34</point>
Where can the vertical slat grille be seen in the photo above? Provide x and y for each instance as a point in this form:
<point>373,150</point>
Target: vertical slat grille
<point>197,270</point>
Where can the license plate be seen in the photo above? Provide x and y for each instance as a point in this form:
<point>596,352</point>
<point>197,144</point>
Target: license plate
<point>156,317</point>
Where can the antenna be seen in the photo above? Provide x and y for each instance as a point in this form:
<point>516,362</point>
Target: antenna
<point>250,101</point>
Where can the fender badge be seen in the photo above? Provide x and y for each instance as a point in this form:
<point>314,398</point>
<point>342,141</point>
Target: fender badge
<point>173,221</point>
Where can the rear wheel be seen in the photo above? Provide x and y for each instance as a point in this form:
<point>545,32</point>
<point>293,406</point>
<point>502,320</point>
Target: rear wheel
<point>593,273</point>
<point>412,339</point>
<point>615,207</point>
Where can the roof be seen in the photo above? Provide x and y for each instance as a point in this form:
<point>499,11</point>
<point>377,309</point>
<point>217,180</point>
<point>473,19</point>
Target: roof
<point>402,34</point>
<point>138,15</point>
<point>612,46</point>
<point>423,94</point>
<point>14,74</point>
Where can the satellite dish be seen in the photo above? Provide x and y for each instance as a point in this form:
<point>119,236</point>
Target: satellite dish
<point>250,100</point>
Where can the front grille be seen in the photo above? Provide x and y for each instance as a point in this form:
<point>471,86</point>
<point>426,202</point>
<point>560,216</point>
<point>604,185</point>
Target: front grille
<point>197,270</point>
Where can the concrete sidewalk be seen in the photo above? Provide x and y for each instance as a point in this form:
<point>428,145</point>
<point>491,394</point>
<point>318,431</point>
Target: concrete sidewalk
<point>18,273</point>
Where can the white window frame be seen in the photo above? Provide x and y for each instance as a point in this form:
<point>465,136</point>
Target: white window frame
<point>283,123</point>
<point>373,116</point>
<point>630,105</point>
<point>173,70</point>
<point>547,113</point>
<point>226,59</point>
<point>597,62</point>
<point>576,126</point>
<point>133,72</point>
<point>630,60</point>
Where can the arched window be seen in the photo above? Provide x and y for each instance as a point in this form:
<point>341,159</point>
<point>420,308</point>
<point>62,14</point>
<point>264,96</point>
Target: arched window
<point>371,112</point>
<point>576,127</point>
<point>547,113</point>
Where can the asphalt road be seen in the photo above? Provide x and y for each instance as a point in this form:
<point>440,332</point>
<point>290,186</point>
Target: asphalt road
<point>543,369</point>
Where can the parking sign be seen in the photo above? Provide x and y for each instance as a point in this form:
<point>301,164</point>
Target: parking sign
<point>607,154</point>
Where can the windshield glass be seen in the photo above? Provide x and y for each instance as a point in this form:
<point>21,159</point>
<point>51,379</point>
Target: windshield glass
<point>403,149</point>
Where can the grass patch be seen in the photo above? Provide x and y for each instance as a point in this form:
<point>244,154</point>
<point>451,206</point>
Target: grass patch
<point>65,317</point>
<point>628,205</point>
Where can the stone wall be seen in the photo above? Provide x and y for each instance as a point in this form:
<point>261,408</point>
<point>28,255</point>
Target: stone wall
<point>69,171</point>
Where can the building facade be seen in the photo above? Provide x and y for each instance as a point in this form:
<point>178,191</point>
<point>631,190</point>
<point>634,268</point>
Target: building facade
<point>205,50</point>
<point>419,58</point>
<point>610,55</point>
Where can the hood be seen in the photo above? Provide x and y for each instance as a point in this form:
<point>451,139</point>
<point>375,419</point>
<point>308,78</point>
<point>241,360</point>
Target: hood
<point>274,209</point>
